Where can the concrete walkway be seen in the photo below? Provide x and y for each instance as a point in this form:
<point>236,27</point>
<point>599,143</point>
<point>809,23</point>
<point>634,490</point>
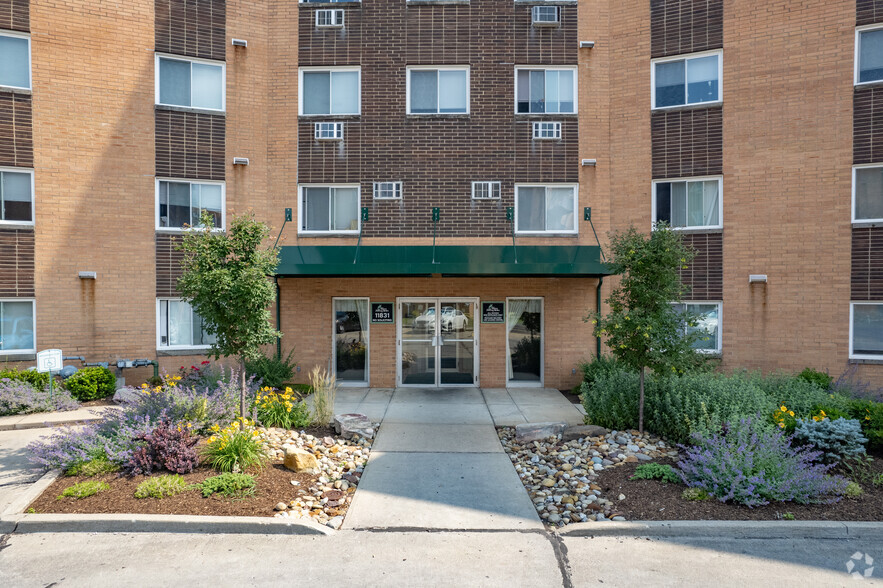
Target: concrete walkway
<point>437,463</point>
<point>52,419</point>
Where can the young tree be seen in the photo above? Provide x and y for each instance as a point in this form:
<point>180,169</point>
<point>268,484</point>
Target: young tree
<point>225,281</point>
<point>643,329</point>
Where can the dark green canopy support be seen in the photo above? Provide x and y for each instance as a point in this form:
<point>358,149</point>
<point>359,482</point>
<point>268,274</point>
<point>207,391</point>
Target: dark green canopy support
<point>559,261</point>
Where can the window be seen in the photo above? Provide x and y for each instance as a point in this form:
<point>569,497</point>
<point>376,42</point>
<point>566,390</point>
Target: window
<point>329,131</point>
<point>330,91</point>
<point>17,326</point>
<point>691,80</point>
<point>688,204</point>
<point>708,325</point>
<point>329,209</point>
<point>15,61</point>
<point>486,190</point>
<point>16,196</point>
<point>868,55</point>
<point>867,193</point>
<point>545,15</point>
<point>329,18</point>
<point>546,209</point>
<point>181,203</point>
<point>547,130</point>
<point>188,82</point>
<point>387,190</point>
<point>866,330</point>
<point>179,326</point>
<point>442,90</point>
<point>545,90</point>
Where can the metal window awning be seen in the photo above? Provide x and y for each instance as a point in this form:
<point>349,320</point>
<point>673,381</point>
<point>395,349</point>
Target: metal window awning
<point>574,261</point>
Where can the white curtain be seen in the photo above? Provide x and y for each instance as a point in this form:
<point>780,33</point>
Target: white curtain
<point>515,308</point>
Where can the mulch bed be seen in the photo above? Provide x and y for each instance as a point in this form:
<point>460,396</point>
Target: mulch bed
<point>273,485</point>
<point>652,500</point>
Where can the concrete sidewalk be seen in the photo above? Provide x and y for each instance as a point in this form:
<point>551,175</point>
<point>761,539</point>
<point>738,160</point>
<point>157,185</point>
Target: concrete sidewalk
<point>52,419</point>
<point>437,463</point>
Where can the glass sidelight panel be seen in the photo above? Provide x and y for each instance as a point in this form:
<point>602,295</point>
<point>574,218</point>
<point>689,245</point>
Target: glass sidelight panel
<point>418,335</point>
<point>457,361</point>
<point>524,338</point>
<point>351,339</point>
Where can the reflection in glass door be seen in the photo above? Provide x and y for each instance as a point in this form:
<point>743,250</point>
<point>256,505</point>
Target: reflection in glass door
<point>524,340</point>
<point>437,342</point>
<point>351,340</point>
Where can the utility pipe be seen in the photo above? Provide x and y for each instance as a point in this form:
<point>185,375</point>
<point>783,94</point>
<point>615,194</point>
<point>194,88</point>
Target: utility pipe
<point>598,294</point>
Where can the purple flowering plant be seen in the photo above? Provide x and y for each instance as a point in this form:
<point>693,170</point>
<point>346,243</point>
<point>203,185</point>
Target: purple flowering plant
<point>753,464</point>
<point>20,397</point>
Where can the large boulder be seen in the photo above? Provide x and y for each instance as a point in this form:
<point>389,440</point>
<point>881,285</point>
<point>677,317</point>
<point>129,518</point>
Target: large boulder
<point>126,395</point>
<point>582,431</point>
<point>349,425</point>
<point>298,460</point>
<point>528,432</point>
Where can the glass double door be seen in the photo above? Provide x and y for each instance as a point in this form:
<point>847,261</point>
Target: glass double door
<point>437,341</point>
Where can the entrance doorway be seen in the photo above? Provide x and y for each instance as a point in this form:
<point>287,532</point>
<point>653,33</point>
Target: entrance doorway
<point>437,341</point>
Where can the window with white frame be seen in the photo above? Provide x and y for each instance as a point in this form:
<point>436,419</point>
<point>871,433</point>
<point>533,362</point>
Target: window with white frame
<point>178,326</point>
<point>707,324</point>
<point>329,131</point>
<point>867,193</point>
<point>17,326</point>
<point>866,330</point>
<point>686,80</point>
<point>438,90</point>
<point>387,190</point>
<point>190,82</point>
<point>547,130</point>
<point>329,209</point>
<point>329,18</point>
<point>15,60</point>
<point>324,1</point>
<point>325,91</point>
<point>869,54</point>
<point>545,208</point>
<point>16,196</point>
<point>688,204</point>
<point>545,90</point>
<point>181,203</point>
<point>486,190</point>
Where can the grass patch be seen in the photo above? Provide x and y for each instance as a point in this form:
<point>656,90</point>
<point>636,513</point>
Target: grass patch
<point>84,489</point>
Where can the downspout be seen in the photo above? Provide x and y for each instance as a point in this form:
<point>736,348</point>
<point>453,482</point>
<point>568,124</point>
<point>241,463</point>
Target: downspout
<point>278,320</point>
<point>598,294</point>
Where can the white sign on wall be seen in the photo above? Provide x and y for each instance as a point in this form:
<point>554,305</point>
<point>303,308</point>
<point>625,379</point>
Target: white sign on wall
<point>49,360</point>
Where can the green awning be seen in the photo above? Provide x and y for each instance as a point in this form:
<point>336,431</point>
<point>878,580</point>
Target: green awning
<point>572,261</point>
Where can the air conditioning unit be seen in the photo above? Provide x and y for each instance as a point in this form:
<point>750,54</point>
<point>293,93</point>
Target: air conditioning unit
<point>329,18</point>
<point>328,131</point>
<point>545,16</point>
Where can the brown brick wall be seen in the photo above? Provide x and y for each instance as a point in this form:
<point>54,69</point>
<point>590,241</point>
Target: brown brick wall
<point>190,145</point>
<point>867,141</point>
<point>437,158</point>
<point>868,12</point>
<point>705,274</point>
<point>15,15</point>
<point>16,263</point>
<point>867,263</point>
<point>195,28</point>
<point>16,130</point>
<point>687,142</point>
<point>685,26</point>
<point>168,265</point>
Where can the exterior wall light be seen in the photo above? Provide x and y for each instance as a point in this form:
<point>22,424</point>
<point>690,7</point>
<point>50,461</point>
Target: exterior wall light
<point>757,279</point>
<point>240,161</point>
<point>589,162</point>
<point>88,275</point>
<point>240,43</point>
<point>586,44</point>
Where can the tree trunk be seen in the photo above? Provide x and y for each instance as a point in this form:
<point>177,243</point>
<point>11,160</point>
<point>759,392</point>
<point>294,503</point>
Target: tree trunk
<point>641,405</point>
<point>242,389</point>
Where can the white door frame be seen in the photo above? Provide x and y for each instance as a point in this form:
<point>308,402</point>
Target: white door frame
<point>439,302</point>
<point>522,383</point>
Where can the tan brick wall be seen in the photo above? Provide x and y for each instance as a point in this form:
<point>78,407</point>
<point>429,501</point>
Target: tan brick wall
<point>307,321</point>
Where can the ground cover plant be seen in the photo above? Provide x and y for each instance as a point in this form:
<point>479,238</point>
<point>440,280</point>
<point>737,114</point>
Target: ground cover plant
<point>657,471</point>
<point>84,489</point>
<point>95,467</point>
<point>162,486</point>
<point>23,397</point>
<point>91,383</point>
<point>231,485</point>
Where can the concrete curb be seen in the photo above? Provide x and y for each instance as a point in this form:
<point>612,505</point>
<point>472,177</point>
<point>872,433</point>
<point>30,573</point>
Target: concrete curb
<point>144,523</point>
<point>729,529</point>
<point>29,495</point>
<point>22,423</point>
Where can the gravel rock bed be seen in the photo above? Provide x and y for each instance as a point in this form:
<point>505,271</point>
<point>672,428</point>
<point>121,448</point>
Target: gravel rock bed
<point>560,476</point>
<point>341,462</point>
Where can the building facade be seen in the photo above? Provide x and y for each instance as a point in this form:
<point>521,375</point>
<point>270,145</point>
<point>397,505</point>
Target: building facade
<point>447,165</point>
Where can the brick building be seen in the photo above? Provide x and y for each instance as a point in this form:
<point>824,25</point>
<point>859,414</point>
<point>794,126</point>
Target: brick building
<point>447,164</point>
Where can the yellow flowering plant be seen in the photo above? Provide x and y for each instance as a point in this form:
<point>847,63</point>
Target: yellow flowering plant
<point>236,447</point>
<point>281,408</point>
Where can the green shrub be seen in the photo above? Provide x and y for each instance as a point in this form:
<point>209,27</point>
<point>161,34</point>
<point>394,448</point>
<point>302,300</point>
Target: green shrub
<point>695,494</point>
<point>94,467</point>
<point>38,380</point>
<point>274,371</point>
<point>230,485</point>
<point>92,383</point>
<point>84,489</point>
<point>656,471</point>
<point>598,366</point>
<point>870,415</point>
<point>820,379</point>
<point>162,486</point>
